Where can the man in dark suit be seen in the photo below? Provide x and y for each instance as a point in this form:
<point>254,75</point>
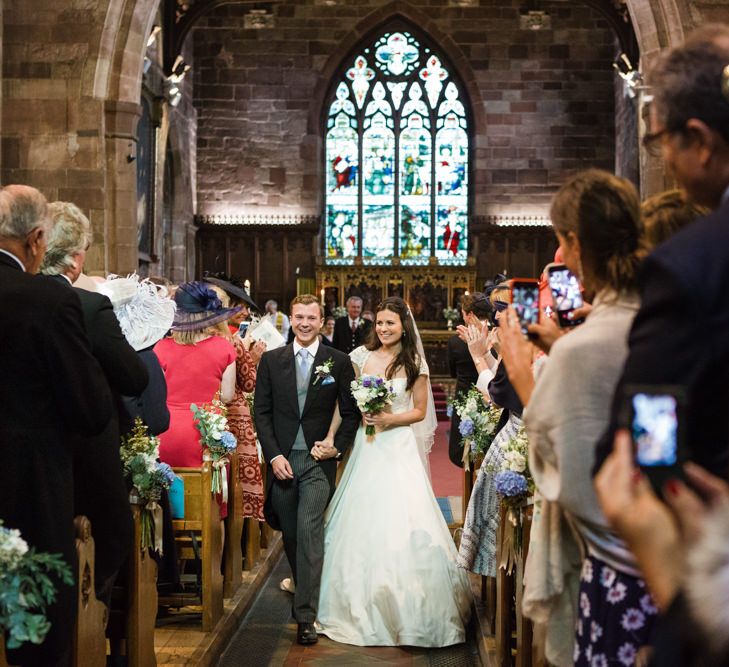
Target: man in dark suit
<point>680,335</point>
<point>352,330</point>
<point>101,493</point>
<point>52,389</point>
<point>475,310</point>
<point>297,391</point>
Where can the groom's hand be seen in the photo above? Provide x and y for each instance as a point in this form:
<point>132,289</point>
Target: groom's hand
<point>323,450</point>
<point>282,468</point>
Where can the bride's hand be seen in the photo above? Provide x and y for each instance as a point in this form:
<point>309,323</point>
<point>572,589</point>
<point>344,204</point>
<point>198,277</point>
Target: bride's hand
<point>380,420</point>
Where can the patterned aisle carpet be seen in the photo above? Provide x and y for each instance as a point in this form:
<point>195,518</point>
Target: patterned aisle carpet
<point>267,636</point>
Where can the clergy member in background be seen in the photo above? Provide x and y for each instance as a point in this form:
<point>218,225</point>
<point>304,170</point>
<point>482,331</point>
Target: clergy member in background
<point>278,319</point>
<point>352,330</point>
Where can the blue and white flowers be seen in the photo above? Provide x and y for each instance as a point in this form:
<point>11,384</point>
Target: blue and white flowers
<point>510,484</point>
<point>323,372</point>
<point>217,441</point>
<point>479,419</point>
<point>372,394</point>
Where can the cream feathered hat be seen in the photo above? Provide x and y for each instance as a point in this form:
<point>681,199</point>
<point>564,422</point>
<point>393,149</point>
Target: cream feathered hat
<point>144,310</point>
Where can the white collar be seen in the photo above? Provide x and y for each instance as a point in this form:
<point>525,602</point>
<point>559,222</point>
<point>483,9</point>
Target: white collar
<point>10,254</point>
<point>67,278</point>
<point>353,322</point>
<point>312,349</point>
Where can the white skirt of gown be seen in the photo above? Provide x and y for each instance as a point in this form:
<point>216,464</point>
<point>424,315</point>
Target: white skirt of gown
<point>390,576</point>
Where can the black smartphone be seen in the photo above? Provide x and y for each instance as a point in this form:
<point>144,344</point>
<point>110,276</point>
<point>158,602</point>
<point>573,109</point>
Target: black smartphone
<point>524,294</point>
<point>566,293</point>
<point>655,417</point>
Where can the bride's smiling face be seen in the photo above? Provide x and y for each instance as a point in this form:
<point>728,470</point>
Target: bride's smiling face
<point>388,327</point>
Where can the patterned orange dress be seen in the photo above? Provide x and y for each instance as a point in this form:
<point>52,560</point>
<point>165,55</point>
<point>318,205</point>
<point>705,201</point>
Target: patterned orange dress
<point>240,423</point>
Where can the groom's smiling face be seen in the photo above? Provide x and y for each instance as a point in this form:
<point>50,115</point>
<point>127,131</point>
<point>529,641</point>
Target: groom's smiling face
<point>306,321</point>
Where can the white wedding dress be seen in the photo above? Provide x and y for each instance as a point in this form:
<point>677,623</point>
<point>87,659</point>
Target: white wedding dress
<point>390,576</point>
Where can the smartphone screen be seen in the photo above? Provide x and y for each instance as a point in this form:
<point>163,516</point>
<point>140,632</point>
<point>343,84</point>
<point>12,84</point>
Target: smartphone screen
<point>655,429</point>
<point>566,293</point>
<point>525,299</point>
<point>242,328</point>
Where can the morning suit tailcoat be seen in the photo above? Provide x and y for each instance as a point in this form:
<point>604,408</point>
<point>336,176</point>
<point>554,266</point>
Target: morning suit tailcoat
<point>343,338</point>
<point>52,389</point>
<point>277,409</point>
<point>680,336</point>
<point>464,370</point>
<point>101,492</point>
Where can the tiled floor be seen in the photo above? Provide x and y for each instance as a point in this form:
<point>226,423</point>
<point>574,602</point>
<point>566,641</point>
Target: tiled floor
<point>267,636</point>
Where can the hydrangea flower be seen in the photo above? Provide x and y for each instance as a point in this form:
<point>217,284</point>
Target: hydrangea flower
<point>12,547</point>
<point>166,473</point>
<point>466,427</point>
<point>509,483</point>
<point>228,440</point>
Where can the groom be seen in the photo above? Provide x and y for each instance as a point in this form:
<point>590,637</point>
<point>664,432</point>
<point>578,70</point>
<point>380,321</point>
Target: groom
<point>297,389</point>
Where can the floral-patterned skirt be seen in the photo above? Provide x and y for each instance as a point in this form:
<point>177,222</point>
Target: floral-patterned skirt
<point>615,616</point>
<point>477,551</point>
<point>249,467</point>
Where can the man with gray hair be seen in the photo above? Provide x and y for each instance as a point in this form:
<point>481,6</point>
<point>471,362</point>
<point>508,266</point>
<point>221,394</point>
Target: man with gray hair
<point>352,330</point>
<point>52,389</point>
<point>100,490</point>
<point>681,333</point>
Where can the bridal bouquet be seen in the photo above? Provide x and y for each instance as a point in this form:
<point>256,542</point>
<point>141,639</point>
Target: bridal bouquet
<point>479,419</point>
<point>211,422</point>
<point>148,477</point>
<point>27,588</point>
<point>372,395</point>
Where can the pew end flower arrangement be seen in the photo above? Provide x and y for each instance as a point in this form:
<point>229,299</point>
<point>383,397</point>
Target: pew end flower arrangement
<point>372,394</point>
<point>27,588</point>
<point>451,315</point>
<point>514,484</point>
<point>479,419</point>
<point>148,478</point>
<point>216,441</point>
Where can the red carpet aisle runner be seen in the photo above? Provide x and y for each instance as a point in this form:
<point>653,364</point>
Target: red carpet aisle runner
<point>447,479</point>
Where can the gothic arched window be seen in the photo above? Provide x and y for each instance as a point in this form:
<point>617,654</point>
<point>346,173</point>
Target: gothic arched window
<point>396,157</point>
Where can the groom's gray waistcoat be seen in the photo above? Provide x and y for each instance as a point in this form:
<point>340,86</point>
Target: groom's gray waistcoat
<point>302,389</point>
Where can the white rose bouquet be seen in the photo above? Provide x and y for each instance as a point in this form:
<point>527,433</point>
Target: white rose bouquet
<point>372,394</point>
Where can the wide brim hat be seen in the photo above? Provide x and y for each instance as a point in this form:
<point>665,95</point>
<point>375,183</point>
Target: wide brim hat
<point>229,288</point>
<point>144,310</point>
<point>199,307</point>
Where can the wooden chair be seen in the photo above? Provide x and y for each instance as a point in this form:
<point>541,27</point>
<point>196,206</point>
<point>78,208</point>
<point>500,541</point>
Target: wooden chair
<point>199,539</point>
<point>89,642</point>
<point>233,560</point>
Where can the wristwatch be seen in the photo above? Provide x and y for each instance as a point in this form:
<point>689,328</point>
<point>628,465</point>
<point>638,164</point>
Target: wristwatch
<point>338,457</point>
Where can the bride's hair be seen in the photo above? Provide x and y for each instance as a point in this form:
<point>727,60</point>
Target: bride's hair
<point>408,357</point>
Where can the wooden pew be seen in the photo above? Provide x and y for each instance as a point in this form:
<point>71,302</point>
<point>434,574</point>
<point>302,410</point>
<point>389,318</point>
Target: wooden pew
<point>233,560</point>
<point>89,642</point>
<point>202,520</point>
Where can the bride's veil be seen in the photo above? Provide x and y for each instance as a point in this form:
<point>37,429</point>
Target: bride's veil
<point>424,430</point>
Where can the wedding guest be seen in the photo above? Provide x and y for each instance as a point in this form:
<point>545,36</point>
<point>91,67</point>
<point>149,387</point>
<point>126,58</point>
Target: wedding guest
<point>100,491</point>
<point>327,332</point>
<point>680,543</point>
<point>666,213</point>
<point>596,217</point>
<point>53,392</point>
<point>145,315</point>
<point>689,121</point>
<point>278,319</point>
<point>196,365</point>
<point>240,420</point>
<point>368,315</point>
<point>475,310</point>
<point>352,330</point>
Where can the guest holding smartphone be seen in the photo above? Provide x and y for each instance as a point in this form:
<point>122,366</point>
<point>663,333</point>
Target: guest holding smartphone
<point>597,221</point>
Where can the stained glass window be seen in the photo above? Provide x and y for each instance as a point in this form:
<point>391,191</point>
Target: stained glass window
<point>397,157</point>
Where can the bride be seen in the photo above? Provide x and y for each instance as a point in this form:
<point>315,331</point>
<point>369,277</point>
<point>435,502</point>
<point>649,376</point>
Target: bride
<point>390,576</point>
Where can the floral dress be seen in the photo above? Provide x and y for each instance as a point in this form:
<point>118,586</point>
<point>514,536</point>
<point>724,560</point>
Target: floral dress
<point>625,611</point>
<point>240,423</point>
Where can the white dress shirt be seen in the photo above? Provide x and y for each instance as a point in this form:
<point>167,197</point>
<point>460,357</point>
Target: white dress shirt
<point>10,254</point>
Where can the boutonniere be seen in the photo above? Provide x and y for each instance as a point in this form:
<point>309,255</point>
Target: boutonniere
<point>324,372</point>
<point>361,323</point>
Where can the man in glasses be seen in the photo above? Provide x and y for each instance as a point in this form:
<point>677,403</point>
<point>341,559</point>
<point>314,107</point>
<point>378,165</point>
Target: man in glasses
<point>681,333</point>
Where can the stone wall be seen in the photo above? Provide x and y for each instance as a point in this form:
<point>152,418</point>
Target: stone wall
<point>543,101</point>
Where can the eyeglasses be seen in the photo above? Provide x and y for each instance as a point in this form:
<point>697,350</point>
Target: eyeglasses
<point>651,141</point>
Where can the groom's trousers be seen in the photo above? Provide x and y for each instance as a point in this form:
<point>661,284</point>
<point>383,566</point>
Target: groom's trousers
<point>299,505</point>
